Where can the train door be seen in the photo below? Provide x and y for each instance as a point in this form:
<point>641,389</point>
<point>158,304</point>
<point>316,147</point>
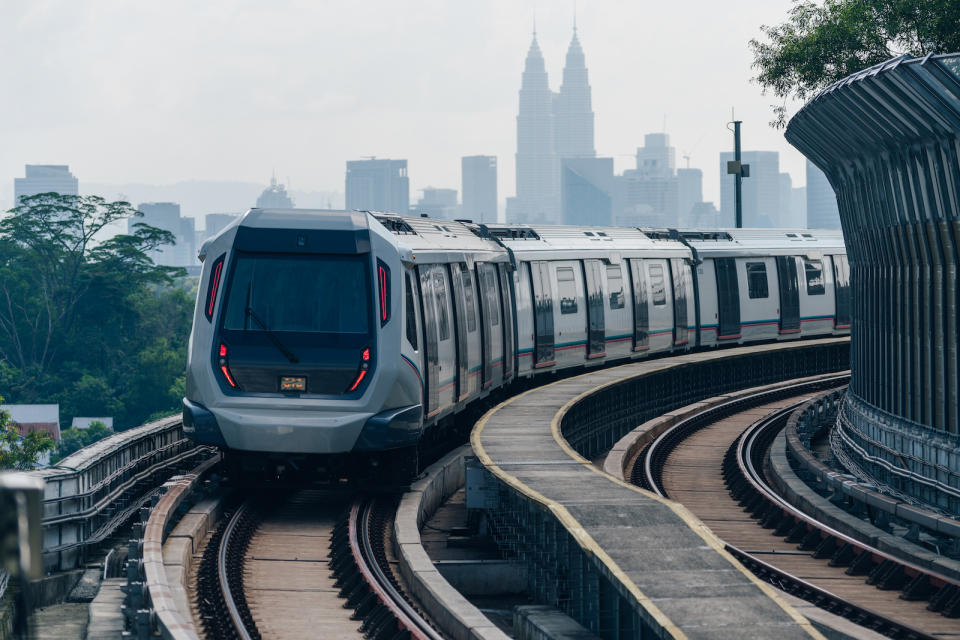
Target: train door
<point>761,304</point>
<point>523,293</point>
<point>412,329</point>
<point>841,288</point>
<point>789,294</point>
<point>728,299</point>
<point>707,297</point>
<point>619,315</point>
<point>507,305</point>
<point>570,319</point>
<point>430,340</point>
<point>474,343</point>
<point>816,297</point>
<point>492,321</point>
<point>596,325</point>
<point>543,352</point>
<point>641,311</point>
<point>680,276</point>
<point>446,347</point>
<point>460,331</point>
<point>661,305</point>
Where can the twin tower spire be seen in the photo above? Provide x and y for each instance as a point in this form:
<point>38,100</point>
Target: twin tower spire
<point>550,127</point>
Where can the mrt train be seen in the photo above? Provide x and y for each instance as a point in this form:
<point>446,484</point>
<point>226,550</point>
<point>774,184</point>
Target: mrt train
<point>327,343</point>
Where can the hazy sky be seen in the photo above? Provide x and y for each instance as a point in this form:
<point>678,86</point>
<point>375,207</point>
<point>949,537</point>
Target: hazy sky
<point>157,92</point>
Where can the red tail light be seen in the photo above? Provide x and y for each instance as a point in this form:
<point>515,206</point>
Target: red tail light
<point>364,368</point>
<point>223,366</point>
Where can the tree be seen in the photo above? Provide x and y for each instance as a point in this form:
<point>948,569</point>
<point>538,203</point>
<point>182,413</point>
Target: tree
<point>820,44</point>
<point>21,452</point>
<point>74,439</point>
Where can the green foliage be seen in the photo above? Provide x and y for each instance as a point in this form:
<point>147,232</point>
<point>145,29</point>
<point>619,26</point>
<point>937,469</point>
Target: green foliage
<point>18,452</point>
<point>74,439</point>
<point>96,327</point>
<point>820,44</point>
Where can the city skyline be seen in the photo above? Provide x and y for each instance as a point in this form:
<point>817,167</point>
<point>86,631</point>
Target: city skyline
<point>310,128</point>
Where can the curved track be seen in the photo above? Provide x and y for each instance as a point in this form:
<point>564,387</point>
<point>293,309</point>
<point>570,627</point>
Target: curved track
<point>693,461</point>
<point>299,569</point>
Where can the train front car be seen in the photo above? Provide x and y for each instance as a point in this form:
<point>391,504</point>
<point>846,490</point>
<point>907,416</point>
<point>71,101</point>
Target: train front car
<point>293,361</point>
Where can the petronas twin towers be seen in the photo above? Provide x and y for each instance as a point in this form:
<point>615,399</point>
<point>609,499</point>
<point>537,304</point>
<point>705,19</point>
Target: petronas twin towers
<point>550,127</point>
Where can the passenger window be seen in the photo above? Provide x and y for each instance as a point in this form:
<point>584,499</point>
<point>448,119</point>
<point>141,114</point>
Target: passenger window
<point>411,316</point>
<point>657,287</point>
<point>440,295</point>
<point>757,280</point>
<point>615,286</point>
<point>814,269</point>
<point>468,300</point>
<point>567,290</point>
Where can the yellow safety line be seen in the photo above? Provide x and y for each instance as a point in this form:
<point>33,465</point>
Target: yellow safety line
<point>583,538</point>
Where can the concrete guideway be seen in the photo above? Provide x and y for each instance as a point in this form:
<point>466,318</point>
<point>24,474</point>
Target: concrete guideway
<point>658,568</point>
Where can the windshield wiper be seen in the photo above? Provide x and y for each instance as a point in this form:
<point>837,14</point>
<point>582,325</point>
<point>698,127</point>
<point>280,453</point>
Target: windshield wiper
<point>273,336</point>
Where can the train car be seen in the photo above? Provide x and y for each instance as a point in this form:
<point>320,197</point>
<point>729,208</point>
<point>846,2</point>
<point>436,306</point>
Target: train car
<point>326,344</point>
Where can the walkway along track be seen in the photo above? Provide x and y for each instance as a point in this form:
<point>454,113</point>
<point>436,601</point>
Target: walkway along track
<point>728,444</point>
<point>299,568</point>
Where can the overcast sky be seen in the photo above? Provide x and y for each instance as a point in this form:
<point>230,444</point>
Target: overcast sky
<point>158,92</point>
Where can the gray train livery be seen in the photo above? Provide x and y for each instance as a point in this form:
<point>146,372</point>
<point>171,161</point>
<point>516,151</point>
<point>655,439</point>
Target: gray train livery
<point>329,344</point>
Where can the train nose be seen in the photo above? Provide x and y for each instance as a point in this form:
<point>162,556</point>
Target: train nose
<point>275,429</point>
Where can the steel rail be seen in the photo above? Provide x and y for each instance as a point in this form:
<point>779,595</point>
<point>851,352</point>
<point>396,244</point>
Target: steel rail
<point>362,547</point>
<point>223,574</point>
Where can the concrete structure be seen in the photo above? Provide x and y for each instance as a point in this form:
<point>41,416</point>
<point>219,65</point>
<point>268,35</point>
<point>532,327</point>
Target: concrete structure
<point>378,185</point>
<point>45,178</point>
<point>438,203</point>
<point>886,138</point>
<point>28,418</point>
<point>822,210</point>
<point>274,197</point>
<point>538,172</point>
<point>587,191</point>
<point>479,188</point>
<point>761,191</point>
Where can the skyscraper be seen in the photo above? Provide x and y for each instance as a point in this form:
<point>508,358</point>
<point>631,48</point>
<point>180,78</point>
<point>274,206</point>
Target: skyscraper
<point>573,111</point>
<point>479,185</point>
<point>538,172</point>
<point>822,210</point>
<point>378,185</point>
<point>587,191</point>
<point>438,203</point>
<point>656,158</point>
<point>761,191</point>
<point>45,178</point>
<point>689,194</point>
<point>274,197</point>
<point>165,216</point>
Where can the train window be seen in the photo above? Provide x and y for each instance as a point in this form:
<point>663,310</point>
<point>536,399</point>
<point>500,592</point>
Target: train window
<point>615,286</point>
<point>468,299</point>
<point>411,316</point>
<point>567,290</point>
<point>657,286</point>
<point>440,295</point>
<point>757,280</point>
<point>814,269</point>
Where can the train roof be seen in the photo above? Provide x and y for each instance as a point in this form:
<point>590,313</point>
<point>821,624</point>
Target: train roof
<point>717,242</point>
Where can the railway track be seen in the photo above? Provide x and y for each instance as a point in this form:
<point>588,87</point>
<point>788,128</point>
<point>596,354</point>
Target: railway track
<point>311,566</point>
<point>714,463</point>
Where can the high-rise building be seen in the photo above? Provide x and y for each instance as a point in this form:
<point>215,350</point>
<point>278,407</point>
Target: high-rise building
<point>165,216</point>
<point>478,175</point>
<point>378,185</point>
<point>822,210</point>
<point>214,222</point>
<point>798,205</point>
<point>786,215</point>
<point>538,173</point>
<point>761,191</point>
<point>572,109</point>
<point>689,194</point>
<point>45,178</point>
<point>656,158</point>
<point>274,197</point>
<point>186,248</point>
<point>587,191</point>
<point>438,203</point>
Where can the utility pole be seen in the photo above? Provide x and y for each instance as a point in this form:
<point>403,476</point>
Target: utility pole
<point>739,171</point>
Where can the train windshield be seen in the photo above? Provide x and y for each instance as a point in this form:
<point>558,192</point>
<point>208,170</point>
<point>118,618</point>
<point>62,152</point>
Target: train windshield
<point>299,294</point>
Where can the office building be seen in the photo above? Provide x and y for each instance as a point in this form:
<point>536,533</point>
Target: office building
<point>378,185</point>
<point>215,222</point>
<point>45,178</point>
<point>587,187</point>
<point>761,191</point>
<point>689,194</point>
<point>478,176</point>
<point>274,197</point>
<point>438,203</point>
<point>656,158</point>
<point>822,210</point>
<point>165,216</point>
